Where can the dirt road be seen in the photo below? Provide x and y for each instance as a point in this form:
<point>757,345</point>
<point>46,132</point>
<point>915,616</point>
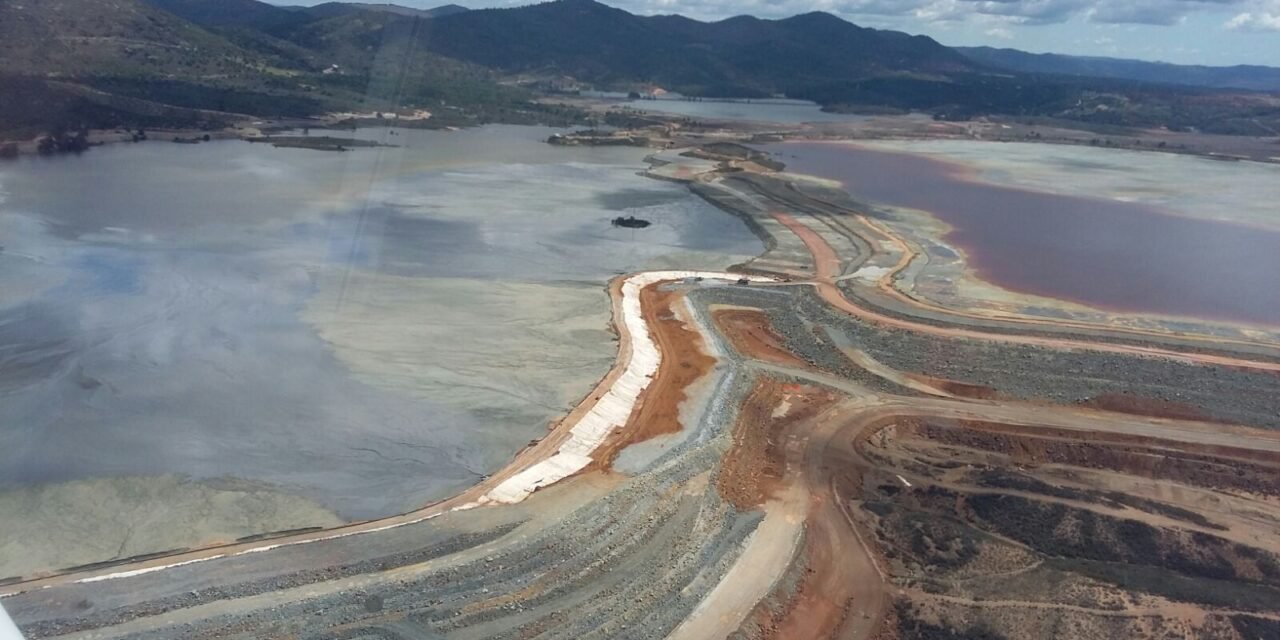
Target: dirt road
<point>746,520</point>
<point>829,266</point>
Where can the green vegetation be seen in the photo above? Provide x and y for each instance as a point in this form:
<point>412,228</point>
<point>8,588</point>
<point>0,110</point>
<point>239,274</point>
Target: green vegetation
<point>1252,77</point>
<point>277,101</point>
<point>33,106</point>
<point>943,529</point>
<point>100,64</point>
<point>1060,531</point>
<point>741,57</point>
<point>912,627</point>
<point>821,58</point>
<point>1251,627</point>
<point>1175,586</point>
<point>1001,479</point>
<point>63,141</point>
<point>198,63</point>
<point>928,538</point>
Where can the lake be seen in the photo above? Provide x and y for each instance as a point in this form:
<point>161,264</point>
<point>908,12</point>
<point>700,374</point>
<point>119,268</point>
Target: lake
<point>764,110</point>
<point>368,331</point>
<point>1108,253</point>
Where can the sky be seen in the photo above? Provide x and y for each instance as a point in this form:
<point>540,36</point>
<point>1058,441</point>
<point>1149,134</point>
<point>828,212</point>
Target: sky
<point>1213,32</point>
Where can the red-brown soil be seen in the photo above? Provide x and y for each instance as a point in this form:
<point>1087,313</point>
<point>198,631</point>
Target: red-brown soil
<point>755,466</point>
<point>1209,466</point>
<point>752,334</point>
<point>684,361</point>
<point>1142,406</point>
<point>960,389</point>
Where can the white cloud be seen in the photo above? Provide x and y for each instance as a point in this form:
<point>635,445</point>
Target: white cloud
<point>1031,11</point>
<point>1026,12</point>
<point>1000,33</point>
<point>1250,21</point>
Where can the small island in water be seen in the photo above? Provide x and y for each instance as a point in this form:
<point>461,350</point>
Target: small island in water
<point>631,222</point>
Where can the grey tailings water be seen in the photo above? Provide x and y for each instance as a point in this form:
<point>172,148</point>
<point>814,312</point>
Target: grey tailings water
<point>371,330</point>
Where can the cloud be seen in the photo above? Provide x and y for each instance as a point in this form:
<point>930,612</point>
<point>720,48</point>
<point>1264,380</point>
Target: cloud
<point>1031,11</point>
<point>1260,21</point>
<point>1156,12</point>
<point>1000,33</point>
<point>1010,12</point>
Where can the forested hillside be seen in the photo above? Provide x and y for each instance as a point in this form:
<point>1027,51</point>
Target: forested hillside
<point>1253,77</point>
<point>103,63</point>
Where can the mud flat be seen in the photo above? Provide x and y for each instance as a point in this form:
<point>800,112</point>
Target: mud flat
<point>394,332</point>
<point>1187,186</point>
<point>112,519</point>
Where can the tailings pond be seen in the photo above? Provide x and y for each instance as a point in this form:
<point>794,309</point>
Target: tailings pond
<point>207,341</point>
<point>780,111</point>
<point>1107,252</point>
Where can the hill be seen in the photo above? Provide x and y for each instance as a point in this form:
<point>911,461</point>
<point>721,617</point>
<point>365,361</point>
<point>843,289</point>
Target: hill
<point>741,56</point>
<point>1252,77</point>
<point>116,37</point>
<point>102,60</point>
<point>274,19</point>
<point>68,64</point>
<point>332,9</point>
<point>819,57</point>
<point>232,13</point>
<point>446,10</point>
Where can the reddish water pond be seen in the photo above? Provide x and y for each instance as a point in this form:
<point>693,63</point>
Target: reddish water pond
<point>1105,253</point>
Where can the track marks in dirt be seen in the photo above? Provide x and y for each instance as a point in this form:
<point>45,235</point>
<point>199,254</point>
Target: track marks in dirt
<point>755,468</point>
<point>1106,562</point>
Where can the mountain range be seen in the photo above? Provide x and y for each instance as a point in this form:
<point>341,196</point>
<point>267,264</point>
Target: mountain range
<point>1245,76</point>
<point>164,60</point>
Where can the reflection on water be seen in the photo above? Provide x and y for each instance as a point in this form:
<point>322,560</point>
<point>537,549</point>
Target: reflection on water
<point>1106,253</point>
<point>221,309</point>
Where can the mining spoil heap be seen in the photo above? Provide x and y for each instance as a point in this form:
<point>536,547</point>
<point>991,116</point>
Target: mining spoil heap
<point>790,451</point>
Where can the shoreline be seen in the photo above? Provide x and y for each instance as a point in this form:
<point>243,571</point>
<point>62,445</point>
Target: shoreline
<point>666,131</point>
<point>614,547</point>
<point>554,475</point>
<point>965,228</point>
<point>537,466</point>
<point>838,213</point>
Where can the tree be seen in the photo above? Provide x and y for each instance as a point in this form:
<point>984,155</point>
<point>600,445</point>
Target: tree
<point>78,143</point>
<point>59,140</point>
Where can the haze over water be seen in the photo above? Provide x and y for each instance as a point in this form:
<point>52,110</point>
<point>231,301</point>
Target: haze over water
<point>1110,254</point>
<point>372,330</point>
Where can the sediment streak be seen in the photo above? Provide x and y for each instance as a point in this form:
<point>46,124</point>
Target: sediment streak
<point>613,409</point>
